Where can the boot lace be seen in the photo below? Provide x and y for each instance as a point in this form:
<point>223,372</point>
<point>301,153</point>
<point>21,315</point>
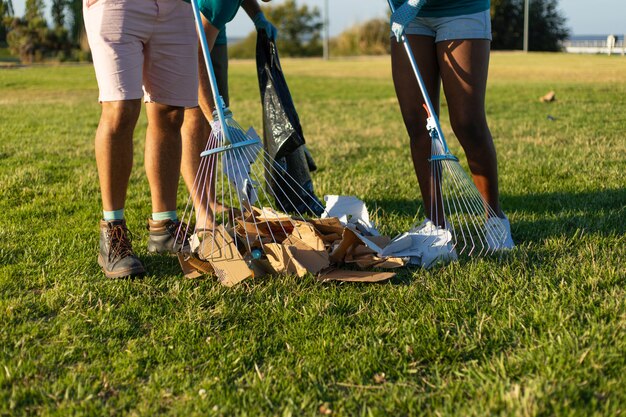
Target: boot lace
<point>121,242</point>
<point>173,228</point>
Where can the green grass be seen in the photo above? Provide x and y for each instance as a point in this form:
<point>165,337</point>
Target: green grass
<point>541,331</point>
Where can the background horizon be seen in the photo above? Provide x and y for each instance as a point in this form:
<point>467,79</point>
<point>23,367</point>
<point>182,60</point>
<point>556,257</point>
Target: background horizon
<point>605,17</point>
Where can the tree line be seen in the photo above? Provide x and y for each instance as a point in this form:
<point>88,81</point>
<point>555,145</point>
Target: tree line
<point>300,29</point>
<point>33,39</point>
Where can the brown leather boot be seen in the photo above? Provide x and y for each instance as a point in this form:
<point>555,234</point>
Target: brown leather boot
<point>116,255</point>
<point>165,238</point>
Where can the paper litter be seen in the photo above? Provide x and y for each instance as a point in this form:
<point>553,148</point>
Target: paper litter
<point>271,242</point>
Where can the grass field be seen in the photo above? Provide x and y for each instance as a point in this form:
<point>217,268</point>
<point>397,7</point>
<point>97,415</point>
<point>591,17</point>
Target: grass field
<point>540,331</point>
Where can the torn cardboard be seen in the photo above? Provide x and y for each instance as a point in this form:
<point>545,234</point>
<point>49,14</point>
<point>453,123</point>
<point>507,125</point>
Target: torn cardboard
<point>350,238</point>
<point>548,97</point>
<point>328,226</point>
<point>290,246</point>
<point>307,248</point>
<point>356,276</point>
<point>219,249</point>
<point>189,270</point>
<point>283,261</point>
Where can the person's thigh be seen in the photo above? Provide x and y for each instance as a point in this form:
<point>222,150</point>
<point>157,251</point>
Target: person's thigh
<point>116,33</point>
<point>464,65</point>
<point>170,73</point>
<point>407,88</point>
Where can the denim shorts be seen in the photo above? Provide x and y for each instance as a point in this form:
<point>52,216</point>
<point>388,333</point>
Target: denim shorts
<point>469,26</point>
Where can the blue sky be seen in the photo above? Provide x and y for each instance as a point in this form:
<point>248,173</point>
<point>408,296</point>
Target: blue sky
<point>584,17</point>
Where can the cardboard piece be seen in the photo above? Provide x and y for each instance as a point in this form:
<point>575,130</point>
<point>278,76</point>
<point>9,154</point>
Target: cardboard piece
<point>327,225</point>
<point>351,237</point>
<point>372,261</point>
<point>188,269</point>
<point>348,240</point>
<point>379,241</point>
<point>271,223</point>
<point>219,249</point>
<point>356,276</point>
<point>330,238</point>
<point>548,98</point>
<point>271,215</point>
<point>307,248</point>
<point>282,260</point>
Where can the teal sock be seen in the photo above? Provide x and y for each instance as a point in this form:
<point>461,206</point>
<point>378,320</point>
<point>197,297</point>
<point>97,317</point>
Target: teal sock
<point>165,215</point>
<point>113,215</point>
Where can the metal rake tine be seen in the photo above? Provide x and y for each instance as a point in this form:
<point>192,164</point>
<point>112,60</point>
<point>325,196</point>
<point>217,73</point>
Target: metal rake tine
<point>267,158</point>
<point>474,201</point>
<point>238,167</point>
<point>264,193</point>
<point>226,157</point>
<point>248,155</point>
<point>461,205</point>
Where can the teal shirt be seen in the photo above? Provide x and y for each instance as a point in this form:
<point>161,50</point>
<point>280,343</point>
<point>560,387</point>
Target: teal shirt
<point>449,8</point>
<point>219,12</point>
<point>221,38</point>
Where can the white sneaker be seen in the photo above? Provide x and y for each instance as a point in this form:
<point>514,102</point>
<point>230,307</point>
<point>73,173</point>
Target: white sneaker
<point>498,234</point>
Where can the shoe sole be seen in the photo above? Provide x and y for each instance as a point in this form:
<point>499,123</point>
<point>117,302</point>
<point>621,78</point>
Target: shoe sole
<point>130,272</point>
<point>160,251</point>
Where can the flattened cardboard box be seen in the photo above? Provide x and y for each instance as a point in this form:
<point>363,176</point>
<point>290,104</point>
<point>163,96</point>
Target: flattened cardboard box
<point>356,276</point>
<point>307,248</point>
<point>219,249</point>
<point>282,260</point>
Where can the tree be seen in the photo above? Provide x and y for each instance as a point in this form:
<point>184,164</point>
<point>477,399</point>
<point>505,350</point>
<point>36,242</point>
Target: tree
<point>76,25</point>
<point>547,27</point>
<point>368,38</point>
<point>58,12</point>
<point>6,13</point>
<point>299,31</point>
<point>34,10</point>
<point>29,37</point>
<point>32,40</point>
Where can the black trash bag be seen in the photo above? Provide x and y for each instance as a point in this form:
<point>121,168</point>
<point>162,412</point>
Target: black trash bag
<point>282,136</point>
<point>293,189</point>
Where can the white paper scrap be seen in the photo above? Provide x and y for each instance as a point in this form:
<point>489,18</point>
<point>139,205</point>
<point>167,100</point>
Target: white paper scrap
<point>426,245</point>
<point>349,210</point>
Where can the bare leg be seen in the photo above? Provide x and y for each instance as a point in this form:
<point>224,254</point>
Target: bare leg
<point>195,134</point>
<point>114,150</point>
<point>464,66</point>
<point>163,153</point>
<point>411,105</point>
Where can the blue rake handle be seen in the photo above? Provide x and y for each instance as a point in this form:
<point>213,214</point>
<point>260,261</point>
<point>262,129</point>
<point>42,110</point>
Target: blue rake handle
<point>429,104</point>
<point>217,98</point>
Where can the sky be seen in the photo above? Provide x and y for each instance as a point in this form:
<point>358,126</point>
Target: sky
<point>604,17</point>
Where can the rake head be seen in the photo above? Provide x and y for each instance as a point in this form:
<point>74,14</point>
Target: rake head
<point>232,205</point>
<point>457,206</point>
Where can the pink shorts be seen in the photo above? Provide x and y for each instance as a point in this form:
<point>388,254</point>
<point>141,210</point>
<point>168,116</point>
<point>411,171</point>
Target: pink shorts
<point>144,48</point>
